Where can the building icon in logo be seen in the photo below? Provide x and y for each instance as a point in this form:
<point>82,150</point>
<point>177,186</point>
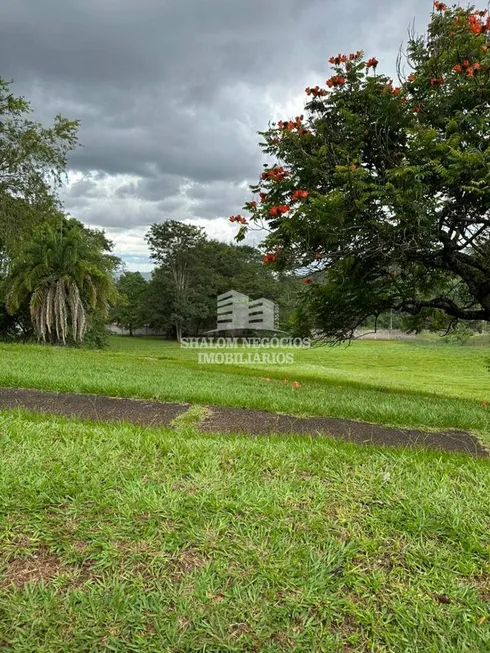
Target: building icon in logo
<point>237,311</point>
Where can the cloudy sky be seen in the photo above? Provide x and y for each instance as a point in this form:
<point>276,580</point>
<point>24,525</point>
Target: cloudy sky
<point>171,94</point>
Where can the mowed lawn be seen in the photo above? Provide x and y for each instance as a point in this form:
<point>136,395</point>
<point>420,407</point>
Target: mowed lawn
<point>427,384</point>
<point>117,538</point>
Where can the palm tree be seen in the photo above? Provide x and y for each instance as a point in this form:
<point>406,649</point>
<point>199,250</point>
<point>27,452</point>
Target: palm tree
<point>65,274</point>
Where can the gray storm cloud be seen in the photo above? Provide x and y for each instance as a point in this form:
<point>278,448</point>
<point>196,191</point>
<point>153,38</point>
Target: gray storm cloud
<point>171,94</point>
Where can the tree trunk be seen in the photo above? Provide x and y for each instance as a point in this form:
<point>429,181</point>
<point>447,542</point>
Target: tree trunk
<point>178,329</point>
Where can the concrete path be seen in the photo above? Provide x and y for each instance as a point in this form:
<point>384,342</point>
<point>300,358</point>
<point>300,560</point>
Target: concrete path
<point>234,420</point>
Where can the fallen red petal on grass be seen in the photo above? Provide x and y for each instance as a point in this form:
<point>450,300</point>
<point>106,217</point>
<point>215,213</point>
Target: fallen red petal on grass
<point>296,384</point>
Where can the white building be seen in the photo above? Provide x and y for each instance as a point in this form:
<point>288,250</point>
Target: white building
<point>262,314</point>
<point>236,311</point>
<point>232,311</point>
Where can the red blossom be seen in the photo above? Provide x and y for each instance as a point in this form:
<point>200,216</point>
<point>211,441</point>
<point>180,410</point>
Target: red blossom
<point>458,68</point>
<point>476,25</point>
<point>372,63</point>
<point>340,58</point>
<point>238,218</point>
<point>355,55</point>
<point>316,91</point>
<point>308,281</point>
<point>274,174</point>
<point>299,194</point>
<point>397,91</point>
<point>269,258</point>
<point>437,81</point>
<point>263,197</point>
<point>411,77</point>
<point>281,209</point>
<point>335,81</point>
<point>440,6</point>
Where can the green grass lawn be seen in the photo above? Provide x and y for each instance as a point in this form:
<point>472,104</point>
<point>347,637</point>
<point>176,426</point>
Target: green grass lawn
<point>424,383</point>
<point>123,539</point>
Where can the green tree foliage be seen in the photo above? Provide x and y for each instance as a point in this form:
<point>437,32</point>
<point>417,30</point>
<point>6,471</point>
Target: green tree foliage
<point>173,245</point>
<point>64,275</point>
<point>32,163</point>
<point>193,271</point>
<point>381,193</point>
<point>130,311</point>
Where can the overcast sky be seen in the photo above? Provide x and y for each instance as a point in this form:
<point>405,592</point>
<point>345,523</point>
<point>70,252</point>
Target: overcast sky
<point>171,94</point>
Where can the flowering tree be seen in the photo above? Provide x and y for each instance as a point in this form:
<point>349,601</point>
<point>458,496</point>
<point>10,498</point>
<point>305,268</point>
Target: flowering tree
<point>381,193</point>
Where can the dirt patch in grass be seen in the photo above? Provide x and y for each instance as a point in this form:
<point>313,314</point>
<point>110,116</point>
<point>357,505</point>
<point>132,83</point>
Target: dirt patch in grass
<point>217,419</point>
<point>255,422</point>
<point>186,561</point>
<point>30,562</point>
<point>481,584</point>
<point>40,566</point>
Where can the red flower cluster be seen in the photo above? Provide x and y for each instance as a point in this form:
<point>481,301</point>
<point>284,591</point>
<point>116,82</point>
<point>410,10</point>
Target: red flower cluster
<point>263,197</point>
<point>440,6</point>
<point>289,126</point>
<point>472,69</point>
<point>279,210</point>
<point>343,58</point>
<point>397,90</point>
<point>336,81</point>
<point>437,81</point>
<point>316,91</point>
<point>372,63</point>
<point>252,205</point>
<point>238,218</point>
<point>340,58</point>
<point>478,26</point>
<point>274,174</point>
<point>308,281</point>
<point>300,194</point>
<point>411,77</point>
<point>467,67</point>
<point>269,258</point>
